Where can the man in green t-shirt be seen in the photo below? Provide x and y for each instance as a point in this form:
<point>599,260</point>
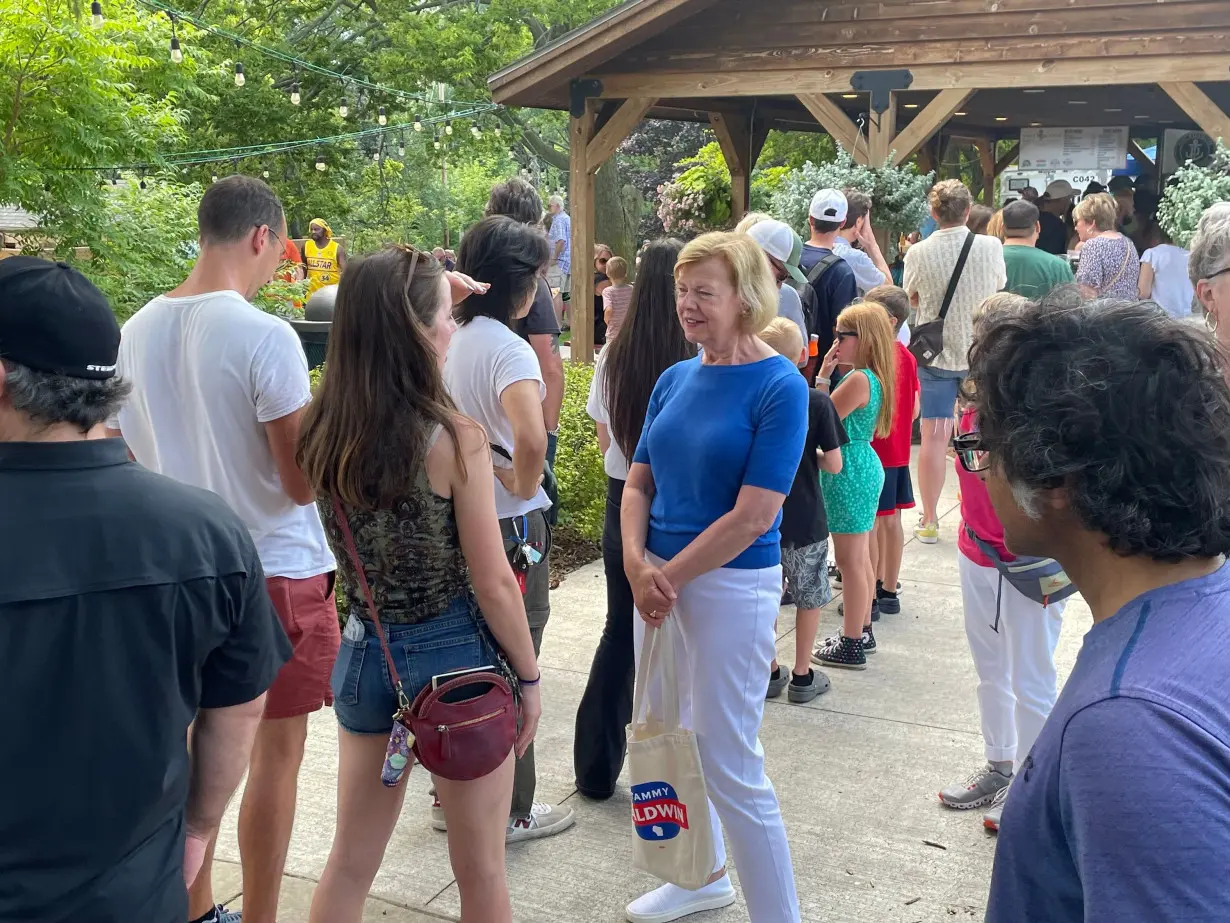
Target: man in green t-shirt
<point>1031,272</point>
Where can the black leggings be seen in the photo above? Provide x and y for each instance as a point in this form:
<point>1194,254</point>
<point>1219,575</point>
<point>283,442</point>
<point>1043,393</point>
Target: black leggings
<point>606,706</point>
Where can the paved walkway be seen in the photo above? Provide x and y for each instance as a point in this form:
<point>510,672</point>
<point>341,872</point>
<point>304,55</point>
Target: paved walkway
<point>856,771</point>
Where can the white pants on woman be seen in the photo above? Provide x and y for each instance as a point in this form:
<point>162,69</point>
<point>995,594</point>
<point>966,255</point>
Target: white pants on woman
<point>725,618</point>
<point>1016,665</point>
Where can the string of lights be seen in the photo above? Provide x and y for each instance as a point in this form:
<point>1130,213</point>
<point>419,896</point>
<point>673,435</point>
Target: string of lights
<point>298,64</point>
<point>269,149</point>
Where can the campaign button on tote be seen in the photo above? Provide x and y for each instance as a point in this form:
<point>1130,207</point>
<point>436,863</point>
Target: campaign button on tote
<point>657,812</point>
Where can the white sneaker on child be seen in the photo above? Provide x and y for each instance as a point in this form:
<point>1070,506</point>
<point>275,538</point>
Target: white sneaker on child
<point>671,902</point>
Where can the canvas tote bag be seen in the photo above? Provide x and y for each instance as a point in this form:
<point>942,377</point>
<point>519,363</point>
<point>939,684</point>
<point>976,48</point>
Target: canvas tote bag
<point>670,806</point>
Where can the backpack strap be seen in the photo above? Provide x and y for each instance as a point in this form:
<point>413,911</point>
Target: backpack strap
<point>956,274</point>
<point>818,271</point>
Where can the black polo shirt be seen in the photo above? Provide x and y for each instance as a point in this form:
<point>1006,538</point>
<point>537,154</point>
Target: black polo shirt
<point>127,602</point>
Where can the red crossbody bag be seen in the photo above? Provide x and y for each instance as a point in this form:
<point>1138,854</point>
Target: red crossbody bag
<point>458,740</point>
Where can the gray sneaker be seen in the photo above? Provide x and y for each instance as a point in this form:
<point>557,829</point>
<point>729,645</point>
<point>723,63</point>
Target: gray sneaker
<point>544,820</point>
<point>800,694</point>
<point>976,791</point>
<point>991,819</point>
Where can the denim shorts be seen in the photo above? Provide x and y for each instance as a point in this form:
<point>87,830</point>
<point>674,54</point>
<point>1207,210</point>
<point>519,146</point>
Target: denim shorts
<point>939,392</point>
<point>364,698</point>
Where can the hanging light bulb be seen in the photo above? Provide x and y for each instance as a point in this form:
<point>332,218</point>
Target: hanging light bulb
<point>437,142</point>
<point>214,178</point>
<point>265,173</point>
<point>448,128</point>
<point>295,98</point>
<point>381,118</point>
<point>401,146</point>
<point>418,122</point>
<point>240,79</point>
<point>498,132</point>
<point>177,56</point>
<point>141,184</point>
<point>320,161</point>
<point>343,109</point>
<point>476,131</point>
<point>96,16</point>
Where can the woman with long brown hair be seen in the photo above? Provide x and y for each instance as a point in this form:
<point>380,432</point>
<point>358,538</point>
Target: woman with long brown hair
<point>624,377</point>
<point>414,477</point>
<point>865,400</point>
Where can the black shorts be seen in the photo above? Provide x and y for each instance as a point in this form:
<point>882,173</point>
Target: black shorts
<point>898,492</point>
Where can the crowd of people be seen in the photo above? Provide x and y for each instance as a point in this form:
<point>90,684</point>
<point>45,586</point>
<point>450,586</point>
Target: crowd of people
<point>189,512</point>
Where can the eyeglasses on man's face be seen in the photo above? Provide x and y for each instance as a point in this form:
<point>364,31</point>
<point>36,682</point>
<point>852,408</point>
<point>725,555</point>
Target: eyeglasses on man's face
<point>970,452</point>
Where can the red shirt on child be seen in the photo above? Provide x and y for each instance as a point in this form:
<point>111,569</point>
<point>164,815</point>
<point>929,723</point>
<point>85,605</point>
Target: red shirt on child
<point>894,449</point>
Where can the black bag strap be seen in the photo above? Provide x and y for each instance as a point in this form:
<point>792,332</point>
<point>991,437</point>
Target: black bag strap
<point>956,274</point>
<point>825,264</point>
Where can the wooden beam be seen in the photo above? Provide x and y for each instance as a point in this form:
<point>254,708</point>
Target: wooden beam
<point>1203,111</point>
<point>581,207</point>
<point>881,130</point>
<point>1138,154</point>
<point>1106,71</point>
<point>835,122</point>
<point>616,129</point>
<point>735,140</point>
<point>927,122</point>
<point>1006,161</point>
<point>986,158</point>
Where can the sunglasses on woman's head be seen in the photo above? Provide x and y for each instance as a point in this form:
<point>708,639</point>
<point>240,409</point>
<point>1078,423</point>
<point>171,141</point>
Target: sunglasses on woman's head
<point>970,452</point>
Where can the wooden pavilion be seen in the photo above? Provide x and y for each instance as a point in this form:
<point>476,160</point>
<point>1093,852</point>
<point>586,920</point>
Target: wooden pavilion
<point>913,71</point>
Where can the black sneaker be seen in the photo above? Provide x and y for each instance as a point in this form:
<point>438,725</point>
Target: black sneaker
<point>787,597</point>
<point>869,641</point>
<point>875,610</point>
<point>888,603</point>
<point>842,652</point>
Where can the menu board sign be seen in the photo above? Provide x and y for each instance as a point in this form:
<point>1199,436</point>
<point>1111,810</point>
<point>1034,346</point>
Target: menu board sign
<point>1073,148</point>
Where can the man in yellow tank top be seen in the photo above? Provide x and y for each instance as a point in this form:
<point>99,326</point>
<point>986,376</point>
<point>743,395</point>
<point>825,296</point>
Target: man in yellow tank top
<point>324,257</point>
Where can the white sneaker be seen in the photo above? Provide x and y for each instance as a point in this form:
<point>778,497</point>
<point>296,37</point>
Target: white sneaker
<point>544,820</point>
<point>671,902</point>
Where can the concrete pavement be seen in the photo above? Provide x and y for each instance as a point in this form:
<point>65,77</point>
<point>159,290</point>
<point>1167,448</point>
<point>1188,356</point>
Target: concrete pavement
<point>856,771</point>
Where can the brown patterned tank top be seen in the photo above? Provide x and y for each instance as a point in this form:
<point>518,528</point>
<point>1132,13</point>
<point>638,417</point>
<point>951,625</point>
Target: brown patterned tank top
<point>411,554</point>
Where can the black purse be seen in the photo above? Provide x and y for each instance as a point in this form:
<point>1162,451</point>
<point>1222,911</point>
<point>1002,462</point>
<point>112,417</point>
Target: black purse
<point>927,340</point>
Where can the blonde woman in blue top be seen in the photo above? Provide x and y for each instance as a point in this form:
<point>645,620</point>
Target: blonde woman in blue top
<point>865,400</point>
<point>701,511</point>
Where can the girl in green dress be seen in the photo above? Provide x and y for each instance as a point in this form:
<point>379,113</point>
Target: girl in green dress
<point>865,401</point>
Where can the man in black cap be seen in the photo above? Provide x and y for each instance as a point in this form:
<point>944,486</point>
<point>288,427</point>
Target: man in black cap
<point>130,605</point>
<point>1031,272</point>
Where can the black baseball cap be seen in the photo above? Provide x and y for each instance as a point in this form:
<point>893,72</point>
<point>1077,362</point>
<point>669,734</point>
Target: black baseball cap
<point>54,319</point>
<point>1020,215</point>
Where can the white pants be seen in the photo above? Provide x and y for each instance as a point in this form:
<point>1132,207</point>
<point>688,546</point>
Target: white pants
<point>1016,665</point>
<point>725,620</point>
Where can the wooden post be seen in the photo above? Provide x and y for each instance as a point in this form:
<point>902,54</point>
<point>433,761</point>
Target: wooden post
<point>881,131</point>
<point>986,157</point>
<point>735,139</point>
<point>581,207</point>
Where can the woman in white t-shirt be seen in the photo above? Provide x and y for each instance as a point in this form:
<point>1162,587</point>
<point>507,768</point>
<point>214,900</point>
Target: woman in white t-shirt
<point>651,341</point>
<point>493,376</point>
<point>1163,278</point>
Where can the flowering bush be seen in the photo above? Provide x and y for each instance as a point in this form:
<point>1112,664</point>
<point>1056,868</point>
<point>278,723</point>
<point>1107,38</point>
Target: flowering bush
<point>698,199</point>
<point>1193,190</point>
<point>899,194</point>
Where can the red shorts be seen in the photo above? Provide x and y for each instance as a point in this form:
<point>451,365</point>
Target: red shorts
<point>309,615</point>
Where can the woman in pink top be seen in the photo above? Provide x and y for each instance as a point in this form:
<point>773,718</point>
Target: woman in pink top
<point>616,297</point>
<point>1011,637</point>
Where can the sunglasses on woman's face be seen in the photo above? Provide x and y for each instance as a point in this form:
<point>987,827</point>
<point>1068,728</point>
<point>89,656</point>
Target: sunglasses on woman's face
<point>843,335</point>
<point>970,452</point>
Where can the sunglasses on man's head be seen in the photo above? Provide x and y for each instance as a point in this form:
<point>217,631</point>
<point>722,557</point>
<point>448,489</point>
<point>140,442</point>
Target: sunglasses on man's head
<point>970,452</point>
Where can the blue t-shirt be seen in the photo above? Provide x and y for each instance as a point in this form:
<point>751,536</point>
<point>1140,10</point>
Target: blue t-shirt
<point>1121,812</point>
<point>710,430</point>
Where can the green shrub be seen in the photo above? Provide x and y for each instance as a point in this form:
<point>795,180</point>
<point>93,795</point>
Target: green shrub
<point>1192,190</point>
<point>578,462</point>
